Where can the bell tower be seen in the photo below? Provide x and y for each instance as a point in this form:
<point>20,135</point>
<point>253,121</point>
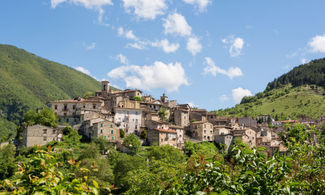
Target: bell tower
<point>105,87</point>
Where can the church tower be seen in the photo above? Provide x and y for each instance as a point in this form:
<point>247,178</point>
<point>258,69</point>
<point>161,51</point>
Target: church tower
<point>105,87</point>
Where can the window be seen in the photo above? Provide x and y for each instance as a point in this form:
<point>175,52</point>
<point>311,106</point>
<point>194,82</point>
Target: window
<point>84,106</point>
<point>44,131</point>
<point>67,120</point>
<point>65,114</point>
<point>44,138</point>
<point>205,131</point>
<point>94,106</point>
<point>136,126</point>
<point>74,107</point>
<point>65,107</point>
<point>111,125</point>
<point>101,125</point>
<point>55,107</point>
<point>101,131</point>
<point>54,131</point>
<point>105,136</point>
<point>112,131</point>
<point>113,138</point>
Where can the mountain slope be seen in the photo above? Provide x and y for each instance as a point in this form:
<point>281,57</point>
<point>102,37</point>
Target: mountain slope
<point>28,81</point>
<point>299,92</point>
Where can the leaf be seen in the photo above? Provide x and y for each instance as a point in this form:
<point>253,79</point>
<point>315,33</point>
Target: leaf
<point>95,184</point>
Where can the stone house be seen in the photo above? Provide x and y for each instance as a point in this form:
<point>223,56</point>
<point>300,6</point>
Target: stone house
<point>128,119</point>
<point>182,117</point>
<point>40,135</point>
<point>162,137</point>
<point>102,128</point>
<point>198,115</point>
<point>246,135</point>
<point>247,122</point>
<point>179,134</point>
<point>69,111</point>
<point>202,130</point>
<point>223,136</point>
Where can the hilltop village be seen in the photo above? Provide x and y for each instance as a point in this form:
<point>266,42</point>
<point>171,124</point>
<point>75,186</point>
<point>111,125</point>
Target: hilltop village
<point>115,114</point>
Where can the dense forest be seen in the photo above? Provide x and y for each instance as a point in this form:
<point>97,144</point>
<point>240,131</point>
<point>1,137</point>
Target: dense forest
<point>312,73</point>
<point>29,82</point>
<point>201,168</point>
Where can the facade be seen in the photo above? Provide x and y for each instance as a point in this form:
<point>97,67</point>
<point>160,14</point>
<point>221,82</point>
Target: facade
<point>162,137</point>
<point>40,135</point>
<point>69,111</point>
<point>182,117</point>
<point>202,130</point>
<point>247,122</point>
<point>129,120</point>
<point>246,135</point>
<point>179,134</point>
<point>103,128</point>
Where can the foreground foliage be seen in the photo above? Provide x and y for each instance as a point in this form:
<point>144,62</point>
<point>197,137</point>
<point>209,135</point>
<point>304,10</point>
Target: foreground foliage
<point>201,168</point>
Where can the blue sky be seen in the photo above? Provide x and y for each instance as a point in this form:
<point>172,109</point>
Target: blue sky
<point>205,52</point>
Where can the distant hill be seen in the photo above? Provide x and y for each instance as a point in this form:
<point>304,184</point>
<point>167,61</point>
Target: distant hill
<point>28,82</point>
<point>300,92</point>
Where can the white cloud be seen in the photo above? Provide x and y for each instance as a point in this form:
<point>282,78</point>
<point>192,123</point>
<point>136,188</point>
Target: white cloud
<point>317,44</point>
<point>89,4</point>
<point>120,57</point>
<point>159,75</point>
<point>303,60</point>
<point>138,45</point>
<point>176,24</point>
<point>147,9</point>
<point>213,69</point>
<point>166,46</point>
<point>224,98</point>
<point>236,45</point>
<point>192,105</point>
<point>91,46</point>
<point>194,45</point>
<point>200,4</point>
<point>239,93</point>
<point>126,33</point>
<point>83,70</point>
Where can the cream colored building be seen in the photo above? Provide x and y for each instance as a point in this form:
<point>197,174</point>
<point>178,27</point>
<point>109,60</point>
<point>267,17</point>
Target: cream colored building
<point>246,135</point>
<point>40,135</point>
<point>179,134</point>
<point>202,130</point>
<point>130,120</point>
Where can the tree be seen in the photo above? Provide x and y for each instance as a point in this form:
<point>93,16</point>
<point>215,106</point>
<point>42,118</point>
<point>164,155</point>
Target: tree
<point>45,117</point>
<point>132,143</point>
<point>163,113</point>
<point>71,136</point>
<point>7,161</point>
<point>143,134</point>
<point>137,98</point>
<point>122,133</point>
<point>87,94</point>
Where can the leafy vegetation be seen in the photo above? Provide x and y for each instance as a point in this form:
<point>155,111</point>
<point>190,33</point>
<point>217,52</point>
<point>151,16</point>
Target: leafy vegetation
<point>282,103</point>
<point>69,167</point>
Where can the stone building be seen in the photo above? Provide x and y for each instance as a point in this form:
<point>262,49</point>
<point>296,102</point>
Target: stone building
<point>202,130</point>
<point>179,134</point>
<point>246,135</point>
<point>182,117</point>
<point>162,137</point>
<point>40,135</point>
<point>128,119</point>
<point>198,115</point>
<point>102,128</point>
<point>69,111</point>
<point>247,122</point>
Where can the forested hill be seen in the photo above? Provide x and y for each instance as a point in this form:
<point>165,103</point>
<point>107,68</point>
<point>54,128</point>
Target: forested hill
<point>312,73</point>
<point>300,92</point>
<point>28,81</point>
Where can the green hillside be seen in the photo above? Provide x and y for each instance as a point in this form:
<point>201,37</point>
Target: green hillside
<point>299,92</point>
<point>28,82</point>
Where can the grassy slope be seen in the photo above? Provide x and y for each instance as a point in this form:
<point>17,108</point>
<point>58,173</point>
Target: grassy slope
<point>28,81</point>
<point>284,102</point>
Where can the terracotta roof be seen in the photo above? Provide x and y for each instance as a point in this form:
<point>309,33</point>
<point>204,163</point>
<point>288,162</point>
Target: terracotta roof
<point>165,130</point>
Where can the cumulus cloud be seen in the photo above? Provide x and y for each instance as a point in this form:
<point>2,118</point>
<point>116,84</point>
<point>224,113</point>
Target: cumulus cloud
<point>200,4</point>
<point>91,46</point>
<point>89,4</point>
<point>239,93</point>
<point>236,45</point>
<point>317,44</point>
<point>138,45</point>
<point>120,57</point>
<point>126,33</point>
<point>177,24</point>
<point>147,9</point>
<point>211,68</point>
<point>193,45</point>
<point>159,75</point>
<point>83,70</point>
<point>166,46</point>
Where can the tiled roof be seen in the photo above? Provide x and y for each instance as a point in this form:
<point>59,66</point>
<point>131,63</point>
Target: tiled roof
<point>166,130</point>
<point>77,101</point>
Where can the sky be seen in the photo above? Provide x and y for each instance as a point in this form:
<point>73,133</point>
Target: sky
<point>207,53</point>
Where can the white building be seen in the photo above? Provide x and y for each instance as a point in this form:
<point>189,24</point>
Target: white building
<point>128,119</point>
